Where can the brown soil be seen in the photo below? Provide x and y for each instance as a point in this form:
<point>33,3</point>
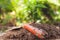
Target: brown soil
<point>22,34</point>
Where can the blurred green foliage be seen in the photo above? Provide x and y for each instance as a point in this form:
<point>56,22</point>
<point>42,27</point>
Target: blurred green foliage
<point>43,11</point>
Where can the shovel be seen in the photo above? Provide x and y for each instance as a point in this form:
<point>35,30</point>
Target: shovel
<point>40,33</point>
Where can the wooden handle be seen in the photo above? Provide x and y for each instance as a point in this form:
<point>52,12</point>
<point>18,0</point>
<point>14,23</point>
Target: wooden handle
<point>34,30</point>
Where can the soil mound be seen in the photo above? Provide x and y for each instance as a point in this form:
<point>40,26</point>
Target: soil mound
<point>22,34</point>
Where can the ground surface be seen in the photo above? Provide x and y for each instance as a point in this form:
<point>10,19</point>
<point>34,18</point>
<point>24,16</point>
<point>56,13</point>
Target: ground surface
<point>22,34</point>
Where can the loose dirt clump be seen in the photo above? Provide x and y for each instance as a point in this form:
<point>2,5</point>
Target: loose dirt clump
<point>22,34</point>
